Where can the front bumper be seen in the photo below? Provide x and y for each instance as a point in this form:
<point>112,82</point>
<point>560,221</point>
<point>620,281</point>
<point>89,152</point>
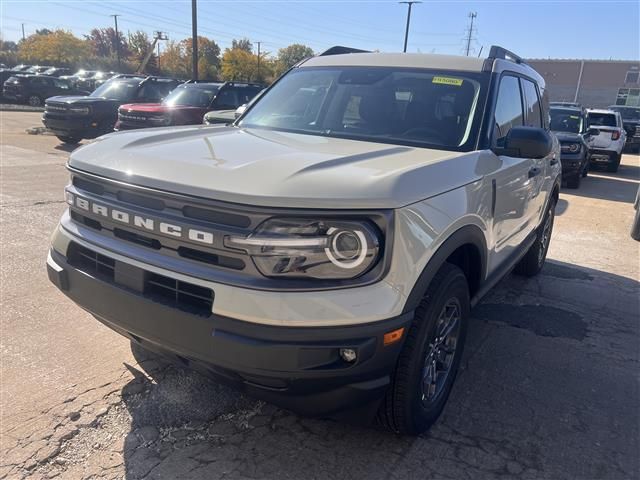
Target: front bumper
<point>298,368</point>
<point>571,163</point>
<point>81,127</point>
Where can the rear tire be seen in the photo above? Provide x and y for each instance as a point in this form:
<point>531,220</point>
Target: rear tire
<point>69,140</point>
<point>585,169</point>
<point>533,261</point>
<point>614,162</point>
<point>429,360</point>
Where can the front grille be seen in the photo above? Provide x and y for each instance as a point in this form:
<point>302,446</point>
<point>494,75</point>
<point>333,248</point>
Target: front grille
<point>132,118</point>
<point>91,262</point>
<point>637,131</point>
<point>158,288</point>
<point>52,107</point>
<point>178,294</point>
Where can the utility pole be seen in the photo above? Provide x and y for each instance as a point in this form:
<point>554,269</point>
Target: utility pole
<point>258,69</point>
<point>23,37</point>
<point>117,39</point>
<point>194,39</point>
<point>406,32</point>
<point>158,57</point>
<point>472,16</point>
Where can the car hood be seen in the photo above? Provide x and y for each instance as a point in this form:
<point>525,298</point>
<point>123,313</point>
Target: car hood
<point>568,136</point>
<point>276,169</point>
<point>155,107</point>
<point>84,99</point>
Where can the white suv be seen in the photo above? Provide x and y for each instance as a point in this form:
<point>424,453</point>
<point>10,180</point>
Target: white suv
<point>324,251</point>
<point>606,148</point>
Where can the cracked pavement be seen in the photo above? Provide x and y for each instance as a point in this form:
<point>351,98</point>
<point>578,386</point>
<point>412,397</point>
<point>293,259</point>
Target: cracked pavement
<point>548,387</point>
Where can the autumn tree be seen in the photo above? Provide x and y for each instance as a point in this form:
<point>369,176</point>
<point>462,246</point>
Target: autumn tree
<point>59,47</point>
<point>238,64</point>
<point>208,57</point>
<point>289,56</point>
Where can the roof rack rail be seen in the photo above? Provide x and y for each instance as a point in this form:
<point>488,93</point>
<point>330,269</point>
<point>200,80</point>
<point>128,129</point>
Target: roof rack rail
<point>339,50</point>
<point>504,54</point>
<point>130,75</point>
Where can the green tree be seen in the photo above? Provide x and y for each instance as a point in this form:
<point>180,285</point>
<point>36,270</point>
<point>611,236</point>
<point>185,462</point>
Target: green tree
<point>242,44</point>
<point>289,56</point>
<point>139,46</point>
<point>208,57</point>
<point>103,42</point>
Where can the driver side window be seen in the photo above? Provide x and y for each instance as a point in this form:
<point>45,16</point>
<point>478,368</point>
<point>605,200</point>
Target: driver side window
<point>508,109</point>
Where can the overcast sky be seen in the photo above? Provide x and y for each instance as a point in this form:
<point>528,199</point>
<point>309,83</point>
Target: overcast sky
<point>533,29</point>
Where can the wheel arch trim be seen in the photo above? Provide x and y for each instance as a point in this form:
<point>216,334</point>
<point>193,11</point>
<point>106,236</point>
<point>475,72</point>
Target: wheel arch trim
<point>466,235</point>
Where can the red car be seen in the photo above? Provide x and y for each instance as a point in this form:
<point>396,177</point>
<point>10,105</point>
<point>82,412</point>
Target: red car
<point>186,104</point>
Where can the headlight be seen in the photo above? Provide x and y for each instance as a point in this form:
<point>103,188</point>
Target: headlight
<point>305,248</point>
<point>570,147</point>
<point>79,110</point>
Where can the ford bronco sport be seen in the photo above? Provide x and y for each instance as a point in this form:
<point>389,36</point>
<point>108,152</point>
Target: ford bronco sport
<point>324,251</point>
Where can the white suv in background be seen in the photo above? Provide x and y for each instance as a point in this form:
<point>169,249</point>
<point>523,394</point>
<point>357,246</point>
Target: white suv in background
<point>606,148</point>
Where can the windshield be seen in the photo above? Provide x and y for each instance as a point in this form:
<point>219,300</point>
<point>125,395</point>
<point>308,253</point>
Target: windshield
<point>565,121</point>
<point>628,113</point>
<point>382,104</point>
<point>192,96</point>
<point>602,119</point>
<point>117,89</point>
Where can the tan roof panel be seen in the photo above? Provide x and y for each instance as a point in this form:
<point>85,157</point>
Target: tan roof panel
<point>402,60</point>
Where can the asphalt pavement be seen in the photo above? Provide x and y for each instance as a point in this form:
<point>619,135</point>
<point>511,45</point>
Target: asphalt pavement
<point>549,385</point>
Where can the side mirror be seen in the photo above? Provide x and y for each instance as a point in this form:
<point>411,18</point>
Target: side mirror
<point>240,110</point>
<point>593,132</point>
<point>527,142</point>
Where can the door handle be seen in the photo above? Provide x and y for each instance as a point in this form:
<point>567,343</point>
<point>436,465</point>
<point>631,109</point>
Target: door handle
<point>534,171</point>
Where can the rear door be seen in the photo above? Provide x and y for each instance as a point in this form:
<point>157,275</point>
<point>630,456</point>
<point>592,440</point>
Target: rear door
<point>606,123</point>
<point>513,187</point>
<point>533,118</point>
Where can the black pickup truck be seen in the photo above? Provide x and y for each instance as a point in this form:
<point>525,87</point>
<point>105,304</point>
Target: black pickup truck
<point>631,123</point>
<point>72,118</point>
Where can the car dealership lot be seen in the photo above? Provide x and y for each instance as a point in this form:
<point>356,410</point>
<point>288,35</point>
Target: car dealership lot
<point>548,389</point>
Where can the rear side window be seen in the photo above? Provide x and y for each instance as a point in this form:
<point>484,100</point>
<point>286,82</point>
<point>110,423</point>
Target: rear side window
<point>534,115</point>
<point>602,119</point>
<point>508,108</point>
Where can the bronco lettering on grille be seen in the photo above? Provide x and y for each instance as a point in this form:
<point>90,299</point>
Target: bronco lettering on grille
<point>138,221</point>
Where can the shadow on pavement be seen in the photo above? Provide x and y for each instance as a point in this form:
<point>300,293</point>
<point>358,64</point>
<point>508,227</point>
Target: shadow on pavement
<point>547,389</point>
<point>616,187</point>
<point>66,147</point>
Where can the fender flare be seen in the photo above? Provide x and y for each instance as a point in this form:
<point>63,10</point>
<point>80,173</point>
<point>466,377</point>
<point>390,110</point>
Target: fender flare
<point>469,234</point>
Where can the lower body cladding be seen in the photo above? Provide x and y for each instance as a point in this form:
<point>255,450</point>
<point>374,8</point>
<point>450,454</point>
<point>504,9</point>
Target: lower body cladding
<point>340,371</point>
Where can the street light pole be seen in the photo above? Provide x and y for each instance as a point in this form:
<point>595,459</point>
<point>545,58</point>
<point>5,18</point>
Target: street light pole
<point>194,39</point>
<point>117,39</point>
<point>406,32</point>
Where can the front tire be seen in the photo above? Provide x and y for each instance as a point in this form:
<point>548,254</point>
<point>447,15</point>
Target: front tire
<point>533,261</point>
<point>574,180</point>
<point>69,140</point>
<point>34,101</point>
<point>429,360</point>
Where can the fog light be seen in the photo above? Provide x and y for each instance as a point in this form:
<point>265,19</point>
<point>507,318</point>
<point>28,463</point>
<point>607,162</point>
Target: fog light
<point>68,196</point>
<point>348,354</point>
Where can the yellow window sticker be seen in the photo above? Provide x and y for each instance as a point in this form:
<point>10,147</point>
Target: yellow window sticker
<point>447,81</point>
<point>575,117</point>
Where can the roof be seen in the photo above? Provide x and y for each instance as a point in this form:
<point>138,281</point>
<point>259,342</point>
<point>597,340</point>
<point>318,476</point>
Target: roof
<point>402,60</point>
<point>565,107</point>
<point>600,110</point>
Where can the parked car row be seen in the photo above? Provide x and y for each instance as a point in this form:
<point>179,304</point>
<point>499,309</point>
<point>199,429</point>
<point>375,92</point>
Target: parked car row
<point>134,101</point>
<point>591,137</point>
